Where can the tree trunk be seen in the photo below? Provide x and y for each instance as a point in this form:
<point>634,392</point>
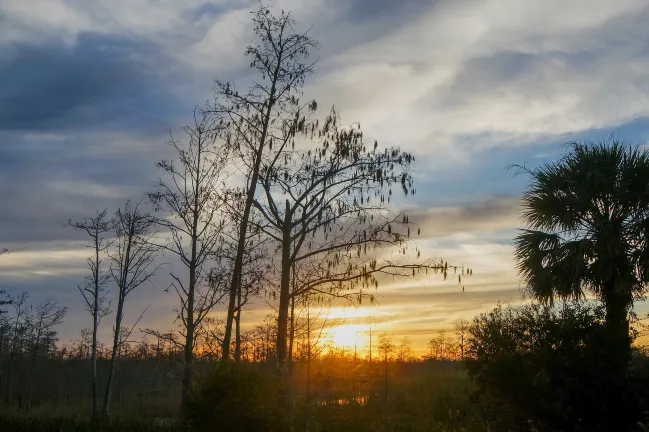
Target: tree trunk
<point>93,356</point>
<point>307,396</point>
<point>243,229</point>
<point>617,305</point>
<point>290,361</point>
<point>189,337</point>
<point>95,325</point>
<point>284,293</point>
<point>189,347</point>
<point>386,388</point>
<point>282,316</point>
<point>237,342</point>
<point>113,357</point>
<point>618,352</point>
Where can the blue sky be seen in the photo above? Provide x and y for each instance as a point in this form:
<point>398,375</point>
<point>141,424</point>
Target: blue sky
<point>90,89</point>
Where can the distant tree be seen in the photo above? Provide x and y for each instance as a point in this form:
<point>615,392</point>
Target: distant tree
<point>132,265</point>
<point>461,329</point>
<point>404,350</point>
<point>262,121</point>
<point>386,348</point>
<point>588,231</point>
<point>191,195</point>
<point>94,292</point>
<point>47,316</point>
<point>441,346</point>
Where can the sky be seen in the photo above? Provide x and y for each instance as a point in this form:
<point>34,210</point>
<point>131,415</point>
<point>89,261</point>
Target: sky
<point>91,88</point>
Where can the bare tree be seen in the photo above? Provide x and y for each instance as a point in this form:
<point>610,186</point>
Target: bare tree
<point>47,316</point>
<point>461,331</point>
<point>94,291</point>
<point>405,350</point>
<point>190,194</point>
<point>267,118</point>
<point>132,265</point>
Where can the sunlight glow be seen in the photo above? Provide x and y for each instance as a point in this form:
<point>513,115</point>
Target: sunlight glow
<point>347,335</point>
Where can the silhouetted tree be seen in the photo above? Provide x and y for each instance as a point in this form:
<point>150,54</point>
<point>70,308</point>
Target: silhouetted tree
<point>461,329</point>
<point>132,265</point>
<point>263,121</point>
<point>94,292</point>
<point>190,194</point>
<point>588,231</point>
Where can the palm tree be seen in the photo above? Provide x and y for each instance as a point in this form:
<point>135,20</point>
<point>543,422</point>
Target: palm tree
<point>588,233</point>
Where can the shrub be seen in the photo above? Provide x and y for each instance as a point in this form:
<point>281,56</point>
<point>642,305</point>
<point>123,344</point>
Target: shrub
<point>236,398</point>
<point>546,365</point>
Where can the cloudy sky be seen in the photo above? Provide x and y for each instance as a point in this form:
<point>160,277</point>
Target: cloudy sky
<point>90,89</point>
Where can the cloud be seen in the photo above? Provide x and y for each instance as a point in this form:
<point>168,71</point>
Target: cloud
<point>46,179</point>
<point>470,86</point>
<point>99,82</point>
<point>462,78</point>
<point>489,215</point>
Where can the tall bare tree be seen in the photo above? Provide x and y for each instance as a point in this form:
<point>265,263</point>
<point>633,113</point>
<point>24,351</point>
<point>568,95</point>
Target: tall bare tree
<point>190,195</point>
<point>264,120</point>
<point>94,291</point>
<point>132,265</point>
<point>47,316</point>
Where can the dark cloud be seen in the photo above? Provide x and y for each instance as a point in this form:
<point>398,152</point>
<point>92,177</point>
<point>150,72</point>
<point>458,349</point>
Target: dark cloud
<point>493,214</point>
<point>45,181</point>
<point>81,127</point>
<point>99,81</point>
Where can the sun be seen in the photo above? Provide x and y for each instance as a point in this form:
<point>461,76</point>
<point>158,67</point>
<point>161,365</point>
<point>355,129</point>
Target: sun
<point>346,335</point>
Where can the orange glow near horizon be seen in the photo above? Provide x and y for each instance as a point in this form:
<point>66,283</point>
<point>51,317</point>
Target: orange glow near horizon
<point>348,335</point>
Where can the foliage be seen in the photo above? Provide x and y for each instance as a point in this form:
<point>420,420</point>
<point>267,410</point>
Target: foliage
<point>238,398</point>
<point>588,226</point>
<point>546,365</point>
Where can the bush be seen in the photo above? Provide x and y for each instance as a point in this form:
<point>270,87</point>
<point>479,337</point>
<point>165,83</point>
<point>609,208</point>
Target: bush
<point>236,398</point>
<point>546,365</point>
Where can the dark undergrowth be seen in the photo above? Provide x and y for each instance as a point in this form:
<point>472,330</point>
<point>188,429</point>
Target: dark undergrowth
<point>32,424</point>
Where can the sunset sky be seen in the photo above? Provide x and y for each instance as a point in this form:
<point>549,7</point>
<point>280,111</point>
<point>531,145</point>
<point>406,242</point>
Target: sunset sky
<point>90,88</point>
